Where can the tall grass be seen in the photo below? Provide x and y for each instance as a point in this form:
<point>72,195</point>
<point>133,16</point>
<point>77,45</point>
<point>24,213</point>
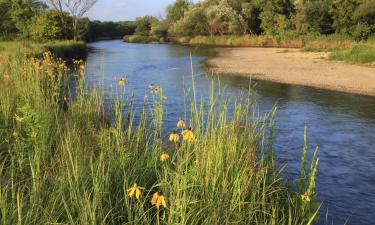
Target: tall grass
<point>62,49</point>
<point>70,161</point>
<point>359,54</point>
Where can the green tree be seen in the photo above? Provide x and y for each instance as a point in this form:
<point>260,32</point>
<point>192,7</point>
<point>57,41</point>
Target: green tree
<point>7,25</point>
<point>314,17</point>
<point>275,16</point>
<point>176,10</point>
<point>22,12</point>
<point>193,23</point>
<point>143,25</point>
<point>223,19</point>
<point>342,11</point>
<point>47,26</point>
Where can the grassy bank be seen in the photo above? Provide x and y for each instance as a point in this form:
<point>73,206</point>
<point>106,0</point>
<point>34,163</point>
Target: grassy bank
<point>143,39</point>
<point>61,49</point>
<point>66,160</point>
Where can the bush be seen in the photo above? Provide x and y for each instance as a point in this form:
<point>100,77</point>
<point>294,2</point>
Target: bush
<point>47,26</point>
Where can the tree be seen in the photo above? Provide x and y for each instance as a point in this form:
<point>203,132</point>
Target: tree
<point>176,10</point>
<point>222,19</point>
<point>194,22</point>
<point>22,12</point>
<point>144,24</point>
<point>76,8</point>
<point>7,25</point>
<point>342,12</point>
<point>47,26</point>
<point>314,17</point>
<point>276,15</point>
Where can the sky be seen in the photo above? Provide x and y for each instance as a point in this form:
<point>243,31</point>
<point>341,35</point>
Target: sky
<point>120,10</point>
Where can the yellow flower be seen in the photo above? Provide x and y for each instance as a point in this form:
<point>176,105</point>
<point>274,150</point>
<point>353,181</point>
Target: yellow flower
<point>15,135</point>
<point>135,190</point>
<point>19,119</point>
<point>174,137</point>
<point>181,123</point>
<point>122,81</point>
<point>158,200</point>
<point>305,197</point>
<point>82,67</point>
<point>164,157</point>
<point>188,135</point>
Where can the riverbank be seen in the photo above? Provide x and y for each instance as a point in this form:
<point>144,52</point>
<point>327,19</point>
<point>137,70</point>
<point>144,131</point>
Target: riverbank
<point>292,66</point>
<point>62,49</point>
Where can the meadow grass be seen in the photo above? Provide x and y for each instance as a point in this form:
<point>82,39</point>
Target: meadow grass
<point>62,49</point>
<point>71,159</point>
<point>358,54</point>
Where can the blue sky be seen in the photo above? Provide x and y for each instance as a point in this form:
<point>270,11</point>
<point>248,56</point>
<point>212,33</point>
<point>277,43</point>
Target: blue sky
<point>118,10</point>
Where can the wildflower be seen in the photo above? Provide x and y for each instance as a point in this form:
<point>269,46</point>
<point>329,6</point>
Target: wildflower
<point>15,135</point>
<point>19,119</point>
<point>188,135</point>
<point>135,190</point>
<point>181,123</point>
<point>164,157</point>
<point>6,77</point>
<point>122,81</point>
<point>158,200</point>
<point>305,197</point>
<point>174,137</point>
<point>82,67</point>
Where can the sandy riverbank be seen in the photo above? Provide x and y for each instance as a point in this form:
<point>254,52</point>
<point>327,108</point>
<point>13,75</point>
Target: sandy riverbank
<point>294,67</point>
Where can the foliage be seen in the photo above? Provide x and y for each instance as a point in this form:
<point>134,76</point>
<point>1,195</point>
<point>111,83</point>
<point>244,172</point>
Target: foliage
<point>98,29</point>
<point>65,160</point>
<point>176,10</point>
<point>47,26</point>
<point>143,25</point>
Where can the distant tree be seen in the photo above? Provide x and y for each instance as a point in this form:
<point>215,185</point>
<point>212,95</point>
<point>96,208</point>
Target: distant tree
<point>22,12</point>
<point>7,25</point>
<point>47,26</point>
<point>275,16</point>
<point>176,10</point>
<point>76,8</point>
<point>159,29</point>
<point>223,19</point>
<point>314,17</point>
<point>193,23</point>
<point>143,25</point>
<point>342,12</point>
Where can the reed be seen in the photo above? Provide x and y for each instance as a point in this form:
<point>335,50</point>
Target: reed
<point>66,157</point>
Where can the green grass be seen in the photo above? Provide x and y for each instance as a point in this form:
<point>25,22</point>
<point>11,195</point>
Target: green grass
<point>141,39</point>
<point>358,54</point>
<point>62,49</point>
<point>67,161</point>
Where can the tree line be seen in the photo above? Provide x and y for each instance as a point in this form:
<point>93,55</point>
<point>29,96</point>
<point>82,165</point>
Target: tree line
<point>286,18</point>
<point>54,20</point>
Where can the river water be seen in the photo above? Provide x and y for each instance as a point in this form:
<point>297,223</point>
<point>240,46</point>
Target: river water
<point>342,125</point>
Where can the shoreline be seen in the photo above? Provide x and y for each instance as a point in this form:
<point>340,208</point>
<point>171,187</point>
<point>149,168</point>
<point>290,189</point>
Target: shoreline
<point>293,67</point>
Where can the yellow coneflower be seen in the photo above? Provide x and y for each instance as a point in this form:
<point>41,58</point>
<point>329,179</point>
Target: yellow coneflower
<point>135,191</point>
<point>181,123</point>
<point>305,197</point>
<point>188,135</point>
<point>164,157</point>
<point>19,119</point>
<point>158,200</point>
<point>122,81</point>
<point>174,137</point>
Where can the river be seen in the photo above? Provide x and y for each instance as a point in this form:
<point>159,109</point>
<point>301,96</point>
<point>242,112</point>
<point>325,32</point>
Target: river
<point>341,124</point>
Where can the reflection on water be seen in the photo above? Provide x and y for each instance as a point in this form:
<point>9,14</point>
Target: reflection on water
<point>342,125</point>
